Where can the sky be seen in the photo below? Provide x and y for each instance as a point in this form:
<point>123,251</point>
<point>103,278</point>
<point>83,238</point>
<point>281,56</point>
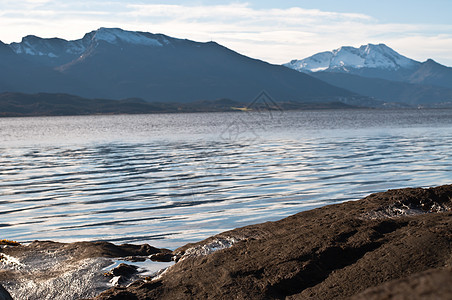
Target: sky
<point>274,31</point>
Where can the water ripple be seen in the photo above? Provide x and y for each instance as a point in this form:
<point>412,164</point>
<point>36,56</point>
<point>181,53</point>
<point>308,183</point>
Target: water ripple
<point>170,192</point>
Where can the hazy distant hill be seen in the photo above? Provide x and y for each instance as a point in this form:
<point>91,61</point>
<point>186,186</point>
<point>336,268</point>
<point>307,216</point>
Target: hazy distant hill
<point>387,90</point>
<point>433,73</point>
<point>117,64</point>
<point>380,72</point>
<point>46,104</point>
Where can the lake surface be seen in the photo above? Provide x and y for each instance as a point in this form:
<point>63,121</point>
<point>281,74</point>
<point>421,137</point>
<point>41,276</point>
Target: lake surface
<point>169,179</point>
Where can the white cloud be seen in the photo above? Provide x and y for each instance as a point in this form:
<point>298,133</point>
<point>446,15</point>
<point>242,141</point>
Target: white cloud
<point>274,35</point>
<point>435,47</point>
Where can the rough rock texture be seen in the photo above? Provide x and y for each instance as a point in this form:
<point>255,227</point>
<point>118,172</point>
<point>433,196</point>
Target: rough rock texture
<point>60,271</point>
<point>69,255</point>
<point>431,284</point>
<point>82,250</point>
<point>333,252</point>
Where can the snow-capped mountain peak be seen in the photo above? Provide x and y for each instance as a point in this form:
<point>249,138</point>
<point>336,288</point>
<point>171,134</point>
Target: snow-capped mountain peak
<point>345,58</point>
<point>115,35</point>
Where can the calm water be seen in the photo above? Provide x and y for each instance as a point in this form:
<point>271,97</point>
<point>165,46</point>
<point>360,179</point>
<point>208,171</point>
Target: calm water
<point>172,179</point>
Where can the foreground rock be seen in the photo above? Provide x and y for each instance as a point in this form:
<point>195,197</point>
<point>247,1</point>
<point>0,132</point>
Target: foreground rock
<point>50,270</point>
<point>384,246</point>
<point>431,284</point>
<point>82,250</point>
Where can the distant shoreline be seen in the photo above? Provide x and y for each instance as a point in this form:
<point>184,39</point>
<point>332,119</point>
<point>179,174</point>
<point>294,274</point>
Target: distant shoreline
<point>47,104</point>
<point>14,105</point>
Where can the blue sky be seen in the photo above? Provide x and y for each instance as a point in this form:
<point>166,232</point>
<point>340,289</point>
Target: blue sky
<point>273,31</point>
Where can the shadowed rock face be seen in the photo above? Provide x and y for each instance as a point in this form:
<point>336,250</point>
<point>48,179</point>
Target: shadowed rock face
<point>333,252</point>
<point>4,295</point>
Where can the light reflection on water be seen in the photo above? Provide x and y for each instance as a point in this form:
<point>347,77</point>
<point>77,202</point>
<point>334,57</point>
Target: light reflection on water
<point>172,179</point>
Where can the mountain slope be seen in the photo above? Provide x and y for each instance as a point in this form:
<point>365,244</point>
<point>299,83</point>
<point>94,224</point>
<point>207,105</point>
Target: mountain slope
<point>18,73</point>
<point>376,61</point>
<point>431,72</point>
<point>387,90</point>
<point>116,64</point>
<point>380,72</point>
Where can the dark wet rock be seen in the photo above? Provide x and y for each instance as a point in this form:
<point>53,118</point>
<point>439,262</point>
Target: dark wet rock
<point>333,252</point>
<point>162,257</point>
<point>124,270</point>
<point>122,274</point>
<point>136,258</point>
<point>4,295</point>
<point>83,250</point>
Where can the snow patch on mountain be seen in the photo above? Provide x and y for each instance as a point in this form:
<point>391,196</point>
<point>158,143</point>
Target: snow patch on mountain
<point>53,48</point>
<point>76,47</point>
<point>317,62</point>
<point>36,46</point>
<point>345,58</point>
<point>115,35</point>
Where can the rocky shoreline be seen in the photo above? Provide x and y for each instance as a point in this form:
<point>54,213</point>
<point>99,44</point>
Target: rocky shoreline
<point>390,245</point>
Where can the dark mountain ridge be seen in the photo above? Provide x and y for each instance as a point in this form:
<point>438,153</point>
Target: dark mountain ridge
<point>115,64</point>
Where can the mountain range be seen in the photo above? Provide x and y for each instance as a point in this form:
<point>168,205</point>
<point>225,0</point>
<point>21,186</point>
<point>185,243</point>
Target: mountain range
<point>113,63</point>
<point>380,72</point>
